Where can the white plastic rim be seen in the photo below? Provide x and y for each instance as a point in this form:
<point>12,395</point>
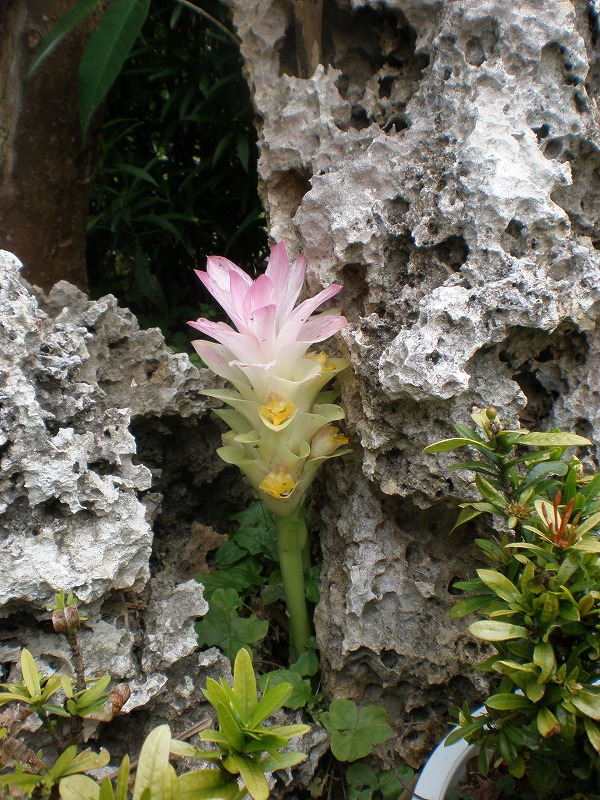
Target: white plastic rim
<point>445,767</point>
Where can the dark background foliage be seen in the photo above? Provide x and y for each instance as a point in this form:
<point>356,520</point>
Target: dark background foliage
<point>176,178</point>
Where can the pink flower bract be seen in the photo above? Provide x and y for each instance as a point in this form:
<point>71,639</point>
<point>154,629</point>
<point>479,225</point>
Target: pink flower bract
<point>271,334</point>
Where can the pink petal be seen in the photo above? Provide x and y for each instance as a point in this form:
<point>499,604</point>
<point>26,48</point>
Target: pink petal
<point>288,281</point>
<point>222,295</point>
<point>259,295</point>
<point>220,268</point>
<point>320,327</point>
<point>243,346</point>
<point>219,359</point>
<point>261,324</point>
<point>299,315</point>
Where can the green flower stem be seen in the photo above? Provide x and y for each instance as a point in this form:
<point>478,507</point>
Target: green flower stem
<point>292,537</point>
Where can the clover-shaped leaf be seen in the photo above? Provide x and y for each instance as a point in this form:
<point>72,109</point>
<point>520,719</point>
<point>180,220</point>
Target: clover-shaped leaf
<point>354,731</point>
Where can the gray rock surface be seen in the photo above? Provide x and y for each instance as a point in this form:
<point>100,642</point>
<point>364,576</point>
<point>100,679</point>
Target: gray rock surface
<point>82,501</point>
<point>443,165</point>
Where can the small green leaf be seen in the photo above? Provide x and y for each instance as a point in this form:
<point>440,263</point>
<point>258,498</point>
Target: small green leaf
<point>106,790</point>
<point>92,695</point>
<point>30,673</point>
<point>271,701</point>
<point>466,515</point>
<point>593,733</point>
<point>244,682</point>
<point>543,657</point>
<point>229,727</point>
<point>588,524</point>
<point>224,627</point>
<point>123,779</point>
<point>489,492</point>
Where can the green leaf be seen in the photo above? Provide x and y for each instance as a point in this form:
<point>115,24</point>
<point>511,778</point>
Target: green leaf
<point>588,703</point>
<point>206,784</point>
<point>224,627</point>
<point>62,763</point>
<point>466,515</point>
<point>284,760</point>
<point>301,694</point>
<point>244,683</point>
<point>106,790</point>
<point>253,776</point>
<point>87,760</point>
<point>543,657</point>
<point>30,673</point>
<point>123,779</point>
<point>93,694</point>
<point>152,769</point>
<point>593,733</point>
<point>272,700</point>
<point>470,604</point>
<point>229,727</point>
<point>546,722</point>
<point>106,52</point>
<point>453,444</point>
<point>69,20</point>
<point>553,439</point>
<point>496,631</point>
<point>505,701</point>
<point>499,584</point>
<point>79,787</point>
<point>588,524</point>
<point>489,492</point>
<point>354,731</point>
<point>543,470</point>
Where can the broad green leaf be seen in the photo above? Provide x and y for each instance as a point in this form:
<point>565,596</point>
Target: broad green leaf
<point>543,470</point>
<point>587,703</point>
<point>543,657</point>
<point>289,731</point>
<point>69,20</point>
<point>505,701</point>
<point>546,722</point>
<point>87,760</point>
<point>106,52</point>
<point>496,631</point>
<point>214,692</point>
<point>588,524</point>
<point>66,685</point>
<point>466,515</point>
<point>587,545</point>
<point>224,627</point>
<point>354,731</point>
<point>253,776</point>
<point>30,673</point>
<point>489,492</point>
<point>301,695</point>
<point>534,690</point>
<point>452,444</point>
<point>79,787</point>
<point>499,584</point>
<point>593,733</point>
<point>206,784</point>
<point>244,683</point>
<point>153,764</point>
<point>470,604</point>
<point>272,700</point>
<point>553,439</point>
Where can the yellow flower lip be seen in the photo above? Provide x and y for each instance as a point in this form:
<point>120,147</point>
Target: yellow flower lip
<point>278,483</point>
<point>322,358</point>
<point>277,411</point>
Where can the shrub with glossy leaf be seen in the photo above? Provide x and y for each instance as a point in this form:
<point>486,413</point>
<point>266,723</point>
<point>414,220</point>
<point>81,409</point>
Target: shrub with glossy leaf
<point>538,606</point>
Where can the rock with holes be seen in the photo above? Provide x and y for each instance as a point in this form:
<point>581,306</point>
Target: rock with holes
<point>93,412</point>
<point>442,163</point>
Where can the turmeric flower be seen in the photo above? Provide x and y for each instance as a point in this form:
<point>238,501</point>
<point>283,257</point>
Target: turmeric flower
<point>277,404</point>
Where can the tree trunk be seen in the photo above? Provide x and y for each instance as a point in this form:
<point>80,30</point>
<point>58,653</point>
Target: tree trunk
<point>45,167</point>
<point>443,166</point>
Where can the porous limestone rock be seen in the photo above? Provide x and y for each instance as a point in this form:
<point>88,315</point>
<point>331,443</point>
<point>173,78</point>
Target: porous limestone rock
<point>81,501</point>
<point>442,163</point>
